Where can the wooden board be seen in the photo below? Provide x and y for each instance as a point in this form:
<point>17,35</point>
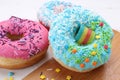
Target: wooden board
<point>109,71</point>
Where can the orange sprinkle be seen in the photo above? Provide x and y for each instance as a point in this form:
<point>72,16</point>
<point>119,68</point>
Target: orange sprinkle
<point>87,60</point>
<point>82,65</point>
<point>74,51</point>
<point>94,63</point>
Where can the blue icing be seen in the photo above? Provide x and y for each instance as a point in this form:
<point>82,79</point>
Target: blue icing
<point>46,13</point>
<point>62,38</point>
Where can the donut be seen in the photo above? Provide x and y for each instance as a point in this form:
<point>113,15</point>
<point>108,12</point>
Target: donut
<point>48,12</point>
<point>80,39</point>
<point>22,43</point>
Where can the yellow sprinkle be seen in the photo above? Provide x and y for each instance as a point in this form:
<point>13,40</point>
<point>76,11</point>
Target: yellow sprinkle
<point>11,78</point>
<point>93,53</point>
<point>52,79</point>
<point>68,78</point>
<point>57,70</point>
<point>42,77</point>
<point>97,36</point>
<point>95,45</point>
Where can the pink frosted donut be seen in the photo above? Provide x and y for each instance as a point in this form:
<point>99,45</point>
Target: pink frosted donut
<point>27,50</point>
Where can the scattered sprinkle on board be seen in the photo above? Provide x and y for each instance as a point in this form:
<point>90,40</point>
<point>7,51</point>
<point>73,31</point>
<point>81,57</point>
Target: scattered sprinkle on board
<point>10,73</point>
<point>110,71</point>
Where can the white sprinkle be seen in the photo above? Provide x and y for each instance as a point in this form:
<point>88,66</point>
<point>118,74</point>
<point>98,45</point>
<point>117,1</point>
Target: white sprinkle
<point>15,52</point>
<point>47,79</point>
<point>49,69</point>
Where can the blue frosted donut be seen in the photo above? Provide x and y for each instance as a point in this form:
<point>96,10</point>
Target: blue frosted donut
<point>66,33</point>
<point>48,12</point>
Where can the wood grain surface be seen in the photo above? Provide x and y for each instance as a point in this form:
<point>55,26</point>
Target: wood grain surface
<point>109,71</point>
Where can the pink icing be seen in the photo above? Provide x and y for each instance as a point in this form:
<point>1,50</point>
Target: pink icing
<point>35,38</point>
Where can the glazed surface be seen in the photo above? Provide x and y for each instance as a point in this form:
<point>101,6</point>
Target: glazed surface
<point>34,40</point>
<point>79,56</point>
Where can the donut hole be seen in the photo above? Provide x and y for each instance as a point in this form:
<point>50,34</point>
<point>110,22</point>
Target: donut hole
<point>76,32</point>
<point>14,37</point>
<point>83,34</point>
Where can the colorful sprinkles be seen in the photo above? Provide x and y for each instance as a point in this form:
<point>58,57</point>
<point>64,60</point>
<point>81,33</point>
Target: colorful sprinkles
<point>82,65</point>
<point>106,47</point>
<point>43,77</point>
<point>31,36</point>
<point>101,24</point>
<point>57,70</point>
<point>94,63</point>
<point>84,56</point>
<point>10,73</point>
<point>95,45</point>
<point>10,76</point>
<point>74,51</point>
<point>68,77</point>
<point>87,60</point>
<point>53,77</point>
<point>97,36</point>
<point>93,53</point>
